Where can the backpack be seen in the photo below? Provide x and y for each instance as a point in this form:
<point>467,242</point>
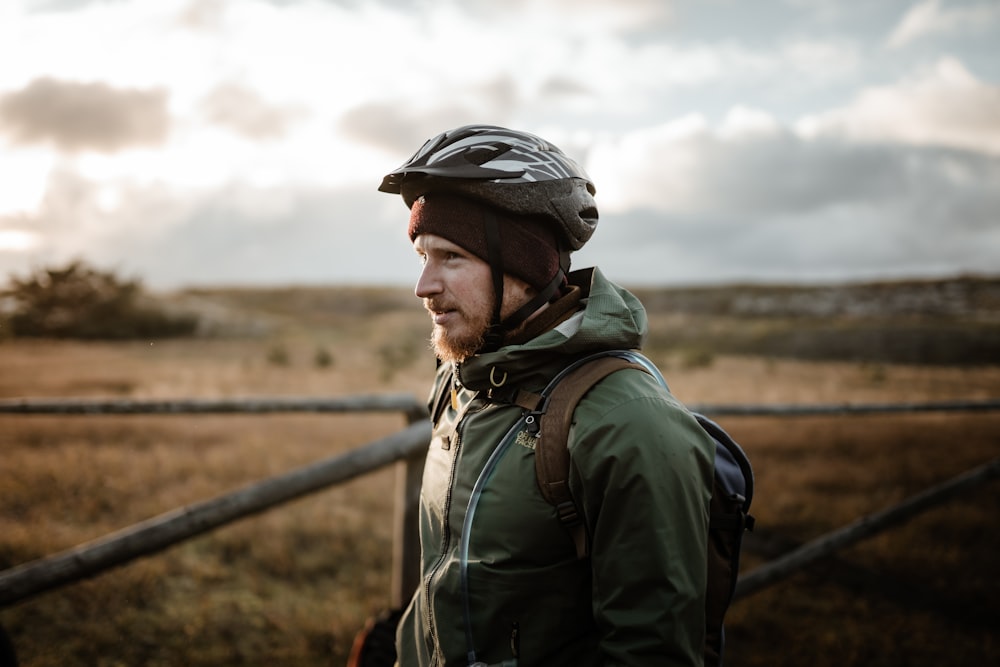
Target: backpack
<point>732,489</point>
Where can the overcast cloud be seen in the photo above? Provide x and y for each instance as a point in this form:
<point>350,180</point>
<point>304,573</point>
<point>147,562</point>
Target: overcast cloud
<point>76,116</point>
<point>193,142</point>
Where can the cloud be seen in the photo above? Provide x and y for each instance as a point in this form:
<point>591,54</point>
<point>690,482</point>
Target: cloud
<point>563,86</point>
<point>763,203</point>
<point>17,240</point>
<point>593,15</point>
<point>928,18</point>
<point>203,14</point>
<point>64,5</point>
<point>827,213</point>
<point>751,167</point>
<point>80,116</point>
<point>748,168</point>
<point>944,106</point>
<point>400,128</point>
<point>232,234</point>
<point>310,236</point>
<point>752,198</point>
<point>243,111</point>
<point>283,115</point>
<point>825,59</point>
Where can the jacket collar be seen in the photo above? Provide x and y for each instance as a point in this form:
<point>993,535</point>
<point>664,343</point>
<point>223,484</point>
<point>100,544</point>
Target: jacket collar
<point>603,316</point>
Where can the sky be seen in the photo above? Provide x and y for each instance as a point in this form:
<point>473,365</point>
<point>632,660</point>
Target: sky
<point>241,142</point>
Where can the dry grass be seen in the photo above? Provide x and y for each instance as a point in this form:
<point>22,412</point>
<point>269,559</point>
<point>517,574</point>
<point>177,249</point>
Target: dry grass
<point>291,586</point>
<point>921,594</point>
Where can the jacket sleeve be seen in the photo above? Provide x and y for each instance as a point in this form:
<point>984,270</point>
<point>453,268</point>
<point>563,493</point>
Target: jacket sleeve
<point>641,472</point>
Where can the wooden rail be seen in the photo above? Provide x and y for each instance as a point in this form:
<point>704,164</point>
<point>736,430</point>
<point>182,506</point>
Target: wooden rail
<point>405,448</point>
<point>984,405</point>
<point>404,403</point>
<point>408,405</point>
<point>863,528</point>
<point>158,533</point>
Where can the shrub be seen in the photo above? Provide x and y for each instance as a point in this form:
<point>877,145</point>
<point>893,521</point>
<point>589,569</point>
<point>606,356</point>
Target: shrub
<point>396,356</point>
<point>81,302</point>
<point>278,355</point>
<point>323,358</point>
<point>697,357</point>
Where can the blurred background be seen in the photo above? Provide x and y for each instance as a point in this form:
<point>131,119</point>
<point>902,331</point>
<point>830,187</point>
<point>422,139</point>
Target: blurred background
<point>804,193</point>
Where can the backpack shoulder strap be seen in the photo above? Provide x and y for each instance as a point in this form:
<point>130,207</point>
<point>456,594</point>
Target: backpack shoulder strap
<point>551,448</point>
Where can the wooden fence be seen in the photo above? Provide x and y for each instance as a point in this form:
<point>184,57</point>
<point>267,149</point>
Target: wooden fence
<point>404,449</point>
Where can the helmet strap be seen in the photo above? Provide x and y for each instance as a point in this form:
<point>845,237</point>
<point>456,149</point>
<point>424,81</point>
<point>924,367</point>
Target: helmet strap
<point>498,328</point>
<point>536,302</point>
<point>564,260</point>
<point>495,334</point>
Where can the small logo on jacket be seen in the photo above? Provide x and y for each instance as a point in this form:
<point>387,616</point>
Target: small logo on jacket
<point>525,439</point>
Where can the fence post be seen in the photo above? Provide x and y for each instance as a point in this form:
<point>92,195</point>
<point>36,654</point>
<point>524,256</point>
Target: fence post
<point>406,523</point>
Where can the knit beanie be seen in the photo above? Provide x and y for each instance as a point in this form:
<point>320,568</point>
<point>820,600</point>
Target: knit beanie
<point>528,248</point>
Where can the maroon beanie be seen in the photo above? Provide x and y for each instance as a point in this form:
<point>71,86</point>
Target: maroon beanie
<point>528,248</point>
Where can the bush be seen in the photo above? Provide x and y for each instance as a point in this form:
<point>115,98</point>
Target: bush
<point>323,358</point>
<point>277,355</point>
<point>81,302</point>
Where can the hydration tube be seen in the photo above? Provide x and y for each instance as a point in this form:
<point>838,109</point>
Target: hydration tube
<point>627,355</point>
<point>463,552</point>
<point>636,357</point>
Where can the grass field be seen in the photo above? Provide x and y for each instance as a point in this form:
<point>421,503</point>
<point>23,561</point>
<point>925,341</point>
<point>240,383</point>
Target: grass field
<point>291,586</point>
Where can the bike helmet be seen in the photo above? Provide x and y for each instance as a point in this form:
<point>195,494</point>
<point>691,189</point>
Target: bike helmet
<point>514,171</point>
<point>517,173</point>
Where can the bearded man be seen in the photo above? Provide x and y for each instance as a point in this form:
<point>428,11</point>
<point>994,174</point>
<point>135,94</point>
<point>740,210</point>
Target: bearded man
<point>494,217</point>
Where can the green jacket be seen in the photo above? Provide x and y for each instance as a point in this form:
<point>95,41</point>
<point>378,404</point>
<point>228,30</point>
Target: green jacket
<point>641,473</point>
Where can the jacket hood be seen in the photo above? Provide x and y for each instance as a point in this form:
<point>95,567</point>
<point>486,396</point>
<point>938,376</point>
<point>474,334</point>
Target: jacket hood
<point>610,317</point>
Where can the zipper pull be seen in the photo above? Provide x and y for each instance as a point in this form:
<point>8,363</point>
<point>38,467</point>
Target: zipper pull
<point>455,385</point>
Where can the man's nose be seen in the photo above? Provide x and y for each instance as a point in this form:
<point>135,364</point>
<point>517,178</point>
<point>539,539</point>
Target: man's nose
<point>429,282</point>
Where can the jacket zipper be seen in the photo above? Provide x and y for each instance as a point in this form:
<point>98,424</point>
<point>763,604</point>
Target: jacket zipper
<point>430,624</point>
<point>429,621</point>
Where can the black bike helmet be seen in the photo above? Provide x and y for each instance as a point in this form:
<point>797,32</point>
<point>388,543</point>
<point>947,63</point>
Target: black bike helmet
<point>516,172</point>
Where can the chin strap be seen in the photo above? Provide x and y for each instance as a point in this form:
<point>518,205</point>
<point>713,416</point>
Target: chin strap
<point>499,329</point>
<point>495,334</point>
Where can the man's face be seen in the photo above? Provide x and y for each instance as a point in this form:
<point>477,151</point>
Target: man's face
<point>457,289</point>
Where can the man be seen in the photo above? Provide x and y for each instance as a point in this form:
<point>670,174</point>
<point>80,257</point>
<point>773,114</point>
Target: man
<point>494,216</point>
